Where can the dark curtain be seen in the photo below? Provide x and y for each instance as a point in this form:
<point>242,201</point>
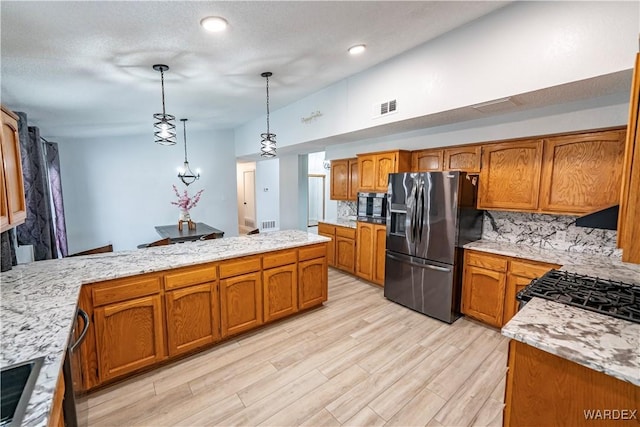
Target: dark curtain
<point>38,227</point>
<point>55,186</point>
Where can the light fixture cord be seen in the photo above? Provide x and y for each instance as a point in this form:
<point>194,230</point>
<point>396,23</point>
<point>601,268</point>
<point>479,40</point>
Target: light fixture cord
<point>184,127</point>
<point>267,104</point>
<point>162,82</point>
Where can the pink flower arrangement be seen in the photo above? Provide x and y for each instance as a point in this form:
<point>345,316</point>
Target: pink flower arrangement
<point>184,201</point>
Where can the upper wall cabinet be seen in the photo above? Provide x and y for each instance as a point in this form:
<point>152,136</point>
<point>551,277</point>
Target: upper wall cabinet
<point>510,176</point>
<point>374,169</point>
<point>466,159</point>
<point>12,202</point>
<point>344,179</point>
<point>582,173</point>
<point>427,160</point>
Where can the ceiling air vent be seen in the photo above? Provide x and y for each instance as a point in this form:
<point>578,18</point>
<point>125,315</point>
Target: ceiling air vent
<point>384,108</point>
<point>496,105</point>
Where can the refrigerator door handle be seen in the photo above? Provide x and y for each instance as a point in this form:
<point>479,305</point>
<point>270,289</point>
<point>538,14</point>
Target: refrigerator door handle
<point>407,260</point>
<point>412,216</point>
<point>421,207</point>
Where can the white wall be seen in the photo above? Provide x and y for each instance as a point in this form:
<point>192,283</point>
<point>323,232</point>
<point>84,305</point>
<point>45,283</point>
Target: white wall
<point>523,47</point>
<point>268,192</point>
<point>293,192</point>
<point>117,189</point>
<point>316,166</point>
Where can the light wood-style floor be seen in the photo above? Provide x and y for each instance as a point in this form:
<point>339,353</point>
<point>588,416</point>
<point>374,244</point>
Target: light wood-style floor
<point>360,360</point>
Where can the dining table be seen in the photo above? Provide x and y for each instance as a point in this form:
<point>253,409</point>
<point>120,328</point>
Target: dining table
<point>186,234</point>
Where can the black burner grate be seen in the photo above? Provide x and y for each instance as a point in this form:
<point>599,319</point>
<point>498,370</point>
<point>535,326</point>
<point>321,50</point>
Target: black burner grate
<point>617,299</point>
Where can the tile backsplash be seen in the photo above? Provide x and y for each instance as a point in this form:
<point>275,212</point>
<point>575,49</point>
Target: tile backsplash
<point>347,209</point>
<point>548,231</point>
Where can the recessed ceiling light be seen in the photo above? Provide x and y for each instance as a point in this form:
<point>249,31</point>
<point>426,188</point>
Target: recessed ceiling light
<point>359,48</point>
<point>214,24</point>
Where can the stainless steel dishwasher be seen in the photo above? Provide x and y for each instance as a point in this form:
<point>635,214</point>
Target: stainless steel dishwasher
<point>75,412</point>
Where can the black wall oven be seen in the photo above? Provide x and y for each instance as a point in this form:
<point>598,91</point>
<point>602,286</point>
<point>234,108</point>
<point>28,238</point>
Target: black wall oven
<point>372,205</point>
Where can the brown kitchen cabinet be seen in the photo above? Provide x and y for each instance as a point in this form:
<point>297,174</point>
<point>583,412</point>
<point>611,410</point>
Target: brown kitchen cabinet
<point>329,231</point>
<point>483,287</point>
<point>374,169</point>
<point>344,173</point>
<point>370,252</point>
<point>427,160</point>
<point>510,176</point>
<point>56,416</point>
<point>280,285</point>
<point>13,209</point>
<point>192,312</point>
<point>465,159</point>
<point>519,274</point>
<point>240,295</point>
<point>312,276</point>
<point>582,173</point>
<point>129,327</point>
<point>346,249</point>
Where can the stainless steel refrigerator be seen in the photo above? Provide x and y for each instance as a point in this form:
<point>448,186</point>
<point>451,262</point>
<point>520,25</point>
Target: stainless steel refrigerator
<point>430,216</point>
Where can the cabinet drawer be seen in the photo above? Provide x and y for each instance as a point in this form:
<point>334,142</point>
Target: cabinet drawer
<point>279,258</point>
<point>349,233</point>
<point>326,228</point>
<point>529,269</point>
<point>190,276</point>
<point>311,252</point>
<point>241,266</point>
<point>125,289</point>
<point>495,263</point>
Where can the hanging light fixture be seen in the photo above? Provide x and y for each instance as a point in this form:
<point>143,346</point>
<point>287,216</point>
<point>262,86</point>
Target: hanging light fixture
<point>164,126</point>
<point>186,175</point>
<point>268,143</point>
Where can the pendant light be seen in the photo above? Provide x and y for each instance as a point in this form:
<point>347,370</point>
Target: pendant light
<point>186,175</point>
<point>164,126</point>
<point>268,143</point>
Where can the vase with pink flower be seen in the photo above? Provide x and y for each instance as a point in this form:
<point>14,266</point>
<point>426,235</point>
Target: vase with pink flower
<point>186,203</point>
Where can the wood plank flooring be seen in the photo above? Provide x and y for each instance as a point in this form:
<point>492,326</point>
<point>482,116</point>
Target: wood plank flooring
<point>360,360</point>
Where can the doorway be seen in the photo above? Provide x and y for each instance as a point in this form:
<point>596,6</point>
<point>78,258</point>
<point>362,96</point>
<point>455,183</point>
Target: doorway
<point>316,207</point>
<point>246,176</point>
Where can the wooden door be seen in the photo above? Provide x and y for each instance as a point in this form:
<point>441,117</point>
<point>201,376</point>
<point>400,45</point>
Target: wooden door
<point>340,179</point>
<point>385,164</point>
<point>193,317</point>
<point>16,210</point>
<point>427,160</point>
<point>379,256</point>
<point>367,173</point>
<point>510,176</point>
<point>129,336</point>
<point>4,203</point>
<point>280,288</point>
<point>312,282</point>
<point>365,243</point>
<point>514,285</point>
<point>582,173</point>
<point>240,303</point>
<point>329,231</point>
<point>483,294</point>
<point>346,254</point>
<point>353,179</point>
<point>466,159</point>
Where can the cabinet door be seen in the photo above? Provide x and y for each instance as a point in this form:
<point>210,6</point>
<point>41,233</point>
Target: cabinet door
<point>514,285</point>
<point>353,179</point>
<point>240,303</point>
<point>483,295</point>
<point>16,210</point>
<point>379,247</point>
<point>346,254</point>
<point>129,336</point>
<point>193,317</point>
<point>340,179</point>
<point>510,176</point>
<point>385,164</point>
<point>426,160</point>
<point>4,203</point>
<point>312,282</point>
<point>280,286</point>
<point>465,159</point>
<point>365,250</point>
<point>367,173</point>
<point>329,231</point>
<point>582,173</point>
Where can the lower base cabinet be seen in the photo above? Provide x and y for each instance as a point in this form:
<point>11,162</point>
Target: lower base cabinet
<point>280,289</point>
<point>370,252</point>
<point>240,303</point>
<point>547,390</point>
<point>483,295</point>
<point>312,282</point>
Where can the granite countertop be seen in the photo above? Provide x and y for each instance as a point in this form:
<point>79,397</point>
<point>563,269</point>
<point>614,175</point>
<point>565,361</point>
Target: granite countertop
<point>597,341</point>
<point>38,300</point>
<point>341,222</point>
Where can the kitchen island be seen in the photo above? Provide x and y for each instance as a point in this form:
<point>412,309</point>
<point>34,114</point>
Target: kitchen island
<point>39,300</point>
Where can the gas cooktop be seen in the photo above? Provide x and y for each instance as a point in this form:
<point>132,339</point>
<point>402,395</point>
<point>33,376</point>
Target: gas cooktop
<point>617,299</point>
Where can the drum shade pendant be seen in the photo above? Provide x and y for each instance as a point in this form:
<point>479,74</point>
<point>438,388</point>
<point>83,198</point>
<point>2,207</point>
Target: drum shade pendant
<point>186,175</point>
<point>268,143</point>
<point>164,125</point>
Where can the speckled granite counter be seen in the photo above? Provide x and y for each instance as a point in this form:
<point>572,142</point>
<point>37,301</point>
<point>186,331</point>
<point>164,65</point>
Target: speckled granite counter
<point>341,222</point>
<point>38,300</point>
<point>594,340</point>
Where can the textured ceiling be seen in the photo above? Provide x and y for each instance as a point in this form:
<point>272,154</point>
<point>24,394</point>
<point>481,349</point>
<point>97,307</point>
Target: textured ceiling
<point>85,68</point>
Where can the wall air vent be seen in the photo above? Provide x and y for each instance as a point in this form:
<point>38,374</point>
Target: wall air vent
<point>268,224</point>
<point>384,108</point>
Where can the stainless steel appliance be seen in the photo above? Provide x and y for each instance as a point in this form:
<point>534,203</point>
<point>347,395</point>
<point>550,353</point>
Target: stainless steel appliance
<point>430,216</point>
<point>372,205</point>
<point>75,412</point>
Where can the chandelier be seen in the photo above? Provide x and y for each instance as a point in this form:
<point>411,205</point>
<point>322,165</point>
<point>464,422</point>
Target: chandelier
<point>186,175</point>
<point>268,143</point>
<point>164,126</point>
